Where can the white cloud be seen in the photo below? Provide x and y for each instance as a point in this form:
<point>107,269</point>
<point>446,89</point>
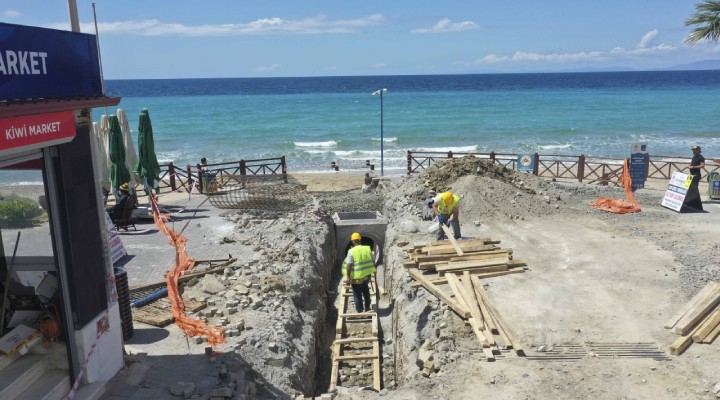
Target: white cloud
<point>267,68</point>
<point>648,38</point>
<point>265,26</point>
<point>643,49</point>
<point>11,13</point>
<point>445,25</point>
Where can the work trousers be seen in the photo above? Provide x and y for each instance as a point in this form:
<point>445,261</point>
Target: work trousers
<point>446,221</point>
<point>361,291</point>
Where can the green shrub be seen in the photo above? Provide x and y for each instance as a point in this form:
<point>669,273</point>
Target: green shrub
<point>18,212</point>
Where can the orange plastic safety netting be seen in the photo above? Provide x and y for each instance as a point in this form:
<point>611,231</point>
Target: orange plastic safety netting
<point>619,206</point>
<point>183,262</point>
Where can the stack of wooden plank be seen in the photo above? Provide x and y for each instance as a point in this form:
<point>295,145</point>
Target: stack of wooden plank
<point>461,265</point>
<point>698,321</point>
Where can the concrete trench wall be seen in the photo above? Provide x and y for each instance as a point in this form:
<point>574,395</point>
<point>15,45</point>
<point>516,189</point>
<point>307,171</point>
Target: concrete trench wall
<point>371,225</point>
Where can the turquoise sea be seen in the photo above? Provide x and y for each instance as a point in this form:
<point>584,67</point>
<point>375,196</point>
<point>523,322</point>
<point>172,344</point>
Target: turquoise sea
<point>313,121</point>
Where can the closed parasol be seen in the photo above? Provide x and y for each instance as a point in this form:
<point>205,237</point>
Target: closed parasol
<point>130,154</point>
<point>147,166</point>
<point>119,172</point>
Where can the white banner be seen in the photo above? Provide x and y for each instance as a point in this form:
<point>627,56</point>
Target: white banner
<point>676,191</point>
<point>117,249</point>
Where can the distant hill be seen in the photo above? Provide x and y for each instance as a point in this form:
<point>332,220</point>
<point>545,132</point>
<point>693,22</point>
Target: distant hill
<point>697,65</point>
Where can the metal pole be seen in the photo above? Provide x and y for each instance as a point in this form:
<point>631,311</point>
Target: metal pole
<point>382,142</point>
<point>74,20</point>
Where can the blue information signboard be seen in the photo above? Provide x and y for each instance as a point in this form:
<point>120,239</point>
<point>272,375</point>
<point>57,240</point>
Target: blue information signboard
<point>639,160</point>
<point>526,162</point>
<point>47,63</point>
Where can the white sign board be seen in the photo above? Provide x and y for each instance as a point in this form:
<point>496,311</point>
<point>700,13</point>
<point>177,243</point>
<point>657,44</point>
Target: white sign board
<point>676,191</point>
<point>117,249</point>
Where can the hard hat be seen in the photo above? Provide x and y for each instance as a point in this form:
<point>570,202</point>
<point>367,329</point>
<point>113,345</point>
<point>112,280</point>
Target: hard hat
<point>124,186</point>
<point>355,236</point>
<point>696,148</point>
<point>448,198</point>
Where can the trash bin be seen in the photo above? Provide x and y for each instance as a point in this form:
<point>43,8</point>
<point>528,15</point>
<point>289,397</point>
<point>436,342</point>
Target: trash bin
<point>209,181</point>
<point>714,185</point>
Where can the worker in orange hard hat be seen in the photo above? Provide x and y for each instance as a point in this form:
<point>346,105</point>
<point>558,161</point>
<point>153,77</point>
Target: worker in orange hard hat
<point>447,208</point>
<point>357,269</point>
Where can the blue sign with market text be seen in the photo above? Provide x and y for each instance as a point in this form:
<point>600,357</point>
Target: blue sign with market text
<point>47,63</point>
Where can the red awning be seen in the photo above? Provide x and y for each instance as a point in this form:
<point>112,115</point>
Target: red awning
<point>10,109</point>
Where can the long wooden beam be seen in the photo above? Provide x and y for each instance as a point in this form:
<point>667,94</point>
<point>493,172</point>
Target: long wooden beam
<point>708,303</point>
<point>466,247</point>
<point>690,304</point>
<point>451,238</point>
<point>478,273</point>
<point>707,326</point>
<point>463,312</point>
<point>480,291</point>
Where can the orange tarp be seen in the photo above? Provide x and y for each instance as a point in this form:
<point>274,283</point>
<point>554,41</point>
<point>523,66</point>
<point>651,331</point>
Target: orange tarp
<point>620,206</point>
<point>183,262</point>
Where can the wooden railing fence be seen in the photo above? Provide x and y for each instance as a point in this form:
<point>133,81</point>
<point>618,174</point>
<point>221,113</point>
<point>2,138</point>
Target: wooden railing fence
<point>602,170</point>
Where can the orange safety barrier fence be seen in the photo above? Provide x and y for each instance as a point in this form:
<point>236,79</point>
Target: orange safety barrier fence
<point>619,206</point>
<point>183,262</point>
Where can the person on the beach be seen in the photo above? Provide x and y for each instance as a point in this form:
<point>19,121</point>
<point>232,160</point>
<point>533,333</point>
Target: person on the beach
<point>447,208</point>
<point>357,269</point>
<point>692,199</point>
<point>203,164</point>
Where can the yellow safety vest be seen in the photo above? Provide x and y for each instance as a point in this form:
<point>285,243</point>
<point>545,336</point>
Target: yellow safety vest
<point>449,209</point>
<point>363,264</point>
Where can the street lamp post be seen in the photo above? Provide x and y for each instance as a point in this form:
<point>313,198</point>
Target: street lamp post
<point>382,141</point>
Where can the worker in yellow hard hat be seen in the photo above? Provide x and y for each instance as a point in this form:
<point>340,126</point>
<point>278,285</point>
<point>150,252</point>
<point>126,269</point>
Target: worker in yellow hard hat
<point>357,269</point>
<point>447,208</point>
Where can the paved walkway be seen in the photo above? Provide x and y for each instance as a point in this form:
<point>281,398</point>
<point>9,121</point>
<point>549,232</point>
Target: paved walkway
<point>150,254</point>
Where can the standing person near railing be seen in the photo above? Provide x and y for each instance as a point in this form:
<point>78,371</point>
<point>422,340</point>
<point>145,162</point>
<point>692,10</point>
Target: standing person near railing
<point>696,165</point>
<point>447,209</point>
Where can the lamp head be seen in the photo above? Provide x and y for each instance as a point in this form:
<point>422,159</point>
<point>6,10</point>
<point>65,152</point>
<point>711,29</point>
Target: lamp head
<point>379,91</point>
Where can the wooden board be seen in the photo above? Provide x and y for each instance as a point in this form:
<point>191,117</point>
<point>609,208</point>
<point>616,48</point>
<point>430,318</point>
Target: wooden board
<point>681,344</point>
<point>482,294</point>
<point>485,240</point>
<point>492,268</point>
<point>475,320</point>
<point>353,357</point>
<point>695,314</point>
<point>452,240</point>
<point>467,285</point>
<point>690,304</point>
<point>707,326</point>
<point>712,335</point>
<point>463,312</point>
<point>466,247</point>
<point>478,273</point>
<point>484,255</point>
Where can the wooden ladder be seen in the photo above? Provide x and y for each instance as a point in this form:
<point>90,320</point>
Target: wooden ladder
<point>341,338</point>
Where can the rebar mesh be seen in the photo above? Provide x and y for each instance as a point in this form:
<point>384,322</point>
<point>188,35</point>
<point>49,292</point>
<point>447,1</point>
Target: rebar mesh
<point>259,192</point>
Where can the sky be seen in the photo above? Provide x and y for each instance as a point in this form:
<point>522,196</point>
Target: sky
<point>289,38</point>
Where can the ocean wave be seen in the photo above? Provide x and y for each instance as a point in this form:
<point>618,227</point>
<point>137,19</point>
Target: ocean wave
<point>458,149</point>
<point>555,146</point>
<point>385,140</point>
<point>329,143</point>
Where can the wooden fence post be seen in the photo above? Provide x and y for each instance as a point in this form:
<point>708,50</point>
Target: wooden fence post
<point>536,165</point>
<point>191,181</point>
<point>581,167</point>
<point>171,171</point>
<point>284,168</point>
<point>450,155</point>
<point>492,156</point>
<point>409,162</point>
<point>201,187</point>
<point>242,167</point>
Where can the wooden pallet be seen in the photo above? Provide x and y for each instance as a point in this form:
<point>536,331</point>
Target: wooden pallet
<point>159,313</point>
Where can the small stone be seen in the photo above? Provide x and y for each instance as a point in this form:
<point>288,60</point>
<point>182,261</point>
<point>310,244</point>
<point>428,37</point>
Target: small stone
<point>184,389</point>
<point>224,392</point>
